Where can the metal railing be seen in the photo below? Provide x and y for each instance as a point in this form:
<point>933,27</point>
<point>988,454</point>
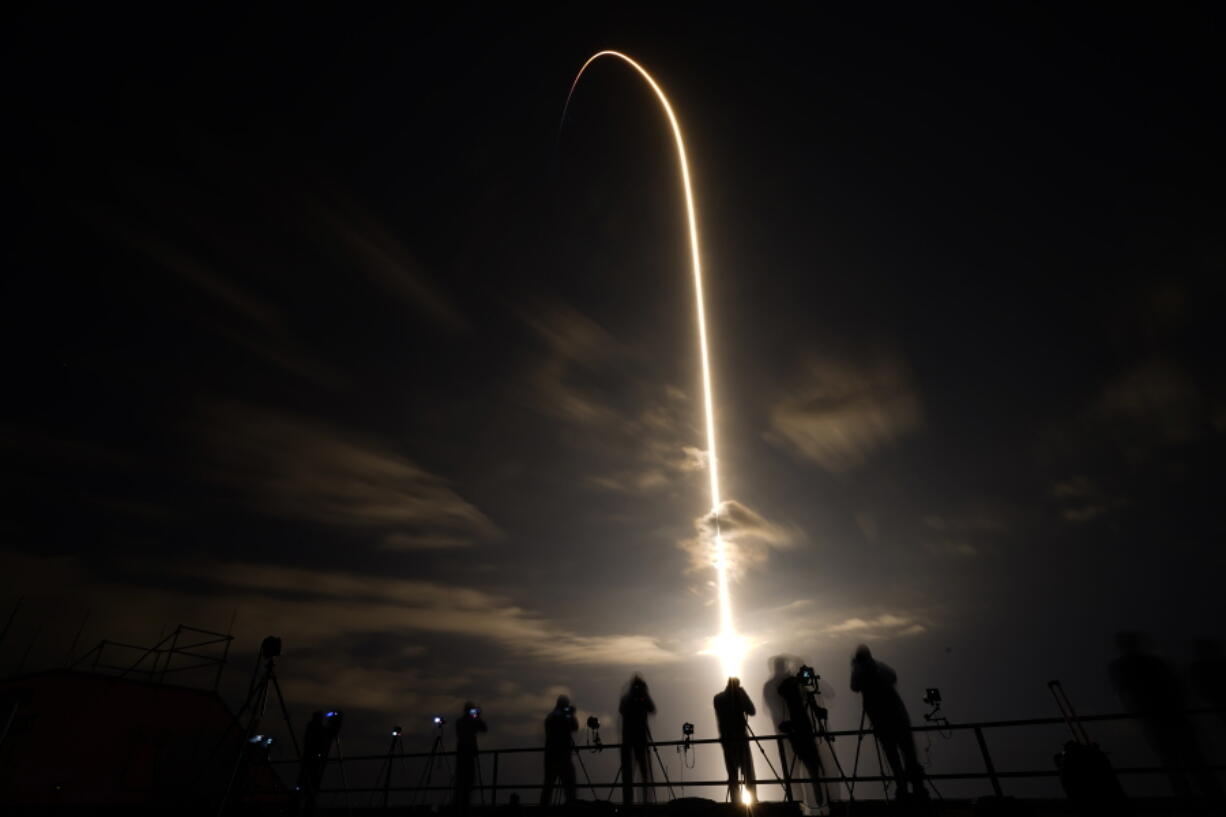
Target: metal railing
<point>995,777</point>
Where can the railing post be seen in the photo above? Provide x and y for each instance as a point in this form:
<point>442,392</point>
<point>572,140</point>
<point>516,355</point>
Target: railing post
<point>494,782</point>
<point>987,762</point>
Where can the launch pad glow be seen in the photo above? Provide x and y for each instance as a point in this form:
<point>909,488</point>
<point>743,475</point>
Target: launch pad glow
<point>727,645</point>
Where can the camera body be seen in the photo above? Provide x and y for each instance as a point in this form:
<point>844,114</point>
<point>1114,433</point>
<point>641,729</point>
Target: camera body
<point>807,675</point>
<point>475,712</point>
<point>593,722</point>
<point>932,696</point>
<point>568,711</point>
<point>439,721</point>
<point>687,729</point>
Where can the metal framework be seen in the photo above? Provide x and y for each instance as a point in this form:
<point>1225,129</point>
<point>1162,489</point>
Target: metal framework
<point>156,662</point>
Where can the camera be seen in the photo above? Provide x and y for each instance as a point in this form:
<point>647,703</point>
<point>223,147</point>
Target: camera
<point>475,712</point>
<point>593,722</point>
<point>396,730</point>
<point>807,675</point>
<point>270,647</point>
<point>932,696</point>
<point>568,711</point>
<point>438,720</point>
<point>687,729</point>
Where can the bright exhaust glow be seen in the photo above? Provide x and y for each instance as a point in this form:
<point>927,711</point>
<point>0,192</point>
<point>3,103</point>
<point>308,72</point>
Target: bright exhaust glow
<point>727,645</point>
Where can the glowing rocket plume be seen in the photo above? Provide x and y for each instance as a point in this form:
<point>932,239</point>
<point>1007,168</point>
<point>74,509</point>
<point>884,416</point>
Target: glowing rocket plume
<point>727,645</point>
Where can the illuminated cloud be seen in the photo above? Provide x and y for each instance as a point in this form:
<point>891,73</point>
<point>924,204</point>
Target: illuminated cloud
<point>886,625</point>
<point>645,449</point>
<point>841,412</point>
<point>749,538</point>
<point>301,470</point>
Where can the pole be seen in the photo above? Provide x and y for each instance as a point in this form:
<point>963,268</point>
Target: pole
<point>987,762</point>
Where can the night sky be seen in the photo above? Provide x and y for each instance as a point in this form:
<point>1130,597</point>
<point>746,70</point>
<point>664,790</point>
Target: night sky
<point>315,319</point>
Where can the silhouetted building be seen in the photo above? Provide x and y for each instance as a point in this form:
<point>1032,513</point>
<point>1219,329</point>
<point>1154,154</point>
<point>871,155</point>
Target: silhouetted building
<point>82,739</point>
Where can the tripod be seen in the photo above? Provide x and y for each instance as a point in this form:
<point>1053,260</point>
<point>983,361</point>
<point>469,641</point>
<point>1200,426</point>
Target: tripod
<point>652,743</point>
<point>427,773</point>
<point>765,756</point>
<point>385,771</point>
<point>256,703</point>
<point>817,722</point>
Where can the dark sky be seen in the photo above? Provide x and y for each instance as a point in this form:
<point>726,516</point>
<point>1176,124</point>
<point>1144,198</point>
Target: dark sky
<point>314,317</point>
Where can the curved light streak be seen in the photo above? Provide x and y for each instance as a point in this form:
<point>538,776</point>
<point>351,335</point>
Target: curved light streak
<point>727,645</point>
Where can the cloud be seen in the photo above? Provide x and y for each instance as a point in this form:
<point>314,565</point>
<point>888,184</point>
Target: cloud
<point>318,605</point>
<point>303,470</point>
<point>1083,500</point>
<point>885,625</point>
<point>749,539</point>
<point>261,328</point>
<point>840,413</point>
<point>371,249</point>
<point>1155,403</point>
<point>583,380</point>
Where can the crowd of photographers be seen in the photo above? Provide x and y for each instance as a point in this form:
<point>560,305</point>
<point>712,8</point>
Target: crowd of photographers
<point>795,695</point>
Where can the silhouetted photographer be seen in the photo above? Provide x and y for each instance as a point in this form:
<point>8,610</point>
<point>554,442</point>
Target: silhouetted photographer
<point>795,690</point>
<point>467,727</point>
<point>732,707</point>
<point>876,682</point>
<point>1148,686</point>
<point>635,707</point>
<point>560,726</point>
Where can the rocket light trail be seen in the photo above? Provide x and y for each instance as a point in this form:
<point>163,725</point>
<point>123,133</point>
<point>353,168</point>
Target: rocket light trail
<point>728,646</point>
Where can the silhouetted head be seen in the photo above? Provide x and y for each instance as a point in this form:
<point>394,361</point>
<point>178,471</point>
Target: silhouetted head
<point>563,702</point>
<point>779,665</point>
<point>470,710</point>
<point>733,683</point>
<point>637,685</point>
<point>863,655</point>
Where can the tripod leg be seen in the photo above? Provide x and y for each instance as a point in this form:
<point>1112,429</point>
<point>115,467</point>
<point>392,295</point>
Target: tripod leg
<point>276,685</point>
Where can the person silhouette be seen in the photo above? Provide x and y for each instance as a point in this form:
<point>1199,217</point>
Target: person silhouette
<point>781,667</point>
<point>875,681</point>
<point>800,732</point>
<point>635,707</point>
<point>467,727</point>
<point>1148,687</point>
<point>559,726</point>
<point>314,757</point>
<point>732,707</point>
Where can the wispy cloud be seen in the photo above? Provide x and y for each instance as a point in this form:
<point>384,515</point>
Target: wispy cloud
<point>298,469</point>
<point>345,603</point>
<point>749,538</point>
<point>647,449</point>
<point>1084,500</point>
<point>886,625</point>
<point>840,412</point>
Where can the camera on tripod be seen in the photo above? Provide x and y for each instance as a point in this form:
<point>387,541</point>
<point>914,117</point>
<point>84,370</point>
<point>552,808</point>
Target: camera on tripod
<point>687,729</point>
<point>568,711</point>
<point>593,723</point>
<point>932,696</point>
<point>808,677</point>
<point>439,721</point>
